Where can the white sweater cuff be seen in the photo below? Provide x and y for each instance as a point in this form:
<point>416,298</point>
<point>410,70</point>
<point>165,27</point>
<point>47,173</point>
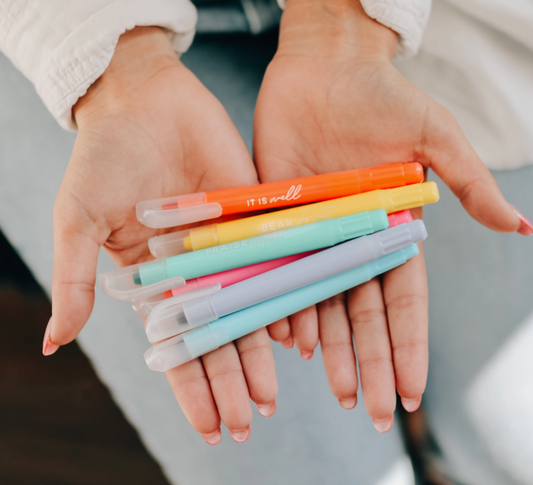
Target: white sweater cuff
<point>408,18</point>
<point>63,46</point>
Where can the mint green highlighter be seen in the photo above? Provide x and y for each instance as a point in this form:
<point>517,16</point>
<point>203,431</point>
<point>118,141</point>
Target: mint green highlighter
<point>125,283</point>
<point>264,248</point>
<point>183,348</point>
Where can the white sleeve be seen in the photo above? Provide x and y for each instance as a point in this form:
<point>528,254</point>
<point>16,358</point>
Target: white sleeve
<point>63,46</point>
<point>408,18</point>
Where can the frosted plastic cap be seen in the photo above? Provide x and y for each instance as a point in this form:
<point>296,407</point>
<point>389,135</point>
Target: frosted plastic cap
<point>180,242</point>
<point>170,244</point>
<point>182,348</point>
<point>176,211</point>
<point>168,318</point>
<point>124,284</point>
<point>144,306</point>
<point>168,354</point>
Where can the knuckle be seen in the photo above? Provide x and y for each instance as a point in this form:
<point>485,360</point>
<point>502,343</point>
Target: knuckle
<point>253,349</point>
<point>334,301</point>
<point>224,375</point>
<point>358,316</point>
<point>407,301</point>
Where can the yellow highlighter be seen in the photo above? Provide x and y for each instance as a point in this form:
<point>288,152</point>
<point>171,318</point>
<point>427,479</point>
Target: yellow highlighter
<point>392,200</point>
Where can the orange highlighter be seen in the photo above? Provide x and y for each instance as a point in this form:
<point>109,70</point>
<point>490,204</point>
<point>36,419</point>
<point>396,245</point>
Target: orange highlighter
<point>186,209</point>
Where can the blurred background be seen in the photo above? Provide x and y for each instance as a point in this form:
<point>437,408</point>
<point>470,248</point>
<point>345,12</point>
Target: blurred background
<point>58,422</point>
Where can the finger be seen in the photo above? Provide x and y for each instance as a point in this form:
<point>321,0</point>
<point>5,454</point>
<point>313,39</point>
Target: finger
<point>337,350</point>
<point>228,385</point>
<point>280,331</point>
<point>259,369</point>
<point>447,151</point>
<point>304,328</point>
<point>406,299</point>
<point>371,335</point>
<point>75,258</point>
<point>193,393</point>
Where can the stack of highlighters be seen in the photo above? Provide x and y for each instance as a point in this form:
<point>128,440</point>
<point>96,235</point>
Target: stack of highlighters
<point>215,283</point>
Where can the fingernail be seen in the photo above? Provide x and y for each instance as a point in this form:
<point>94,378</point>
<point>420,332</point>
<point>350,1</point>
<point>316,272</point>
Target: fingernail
<point>213,438</point>
<point>383,425</point>
<point>306,355</point>
<point>348,403</point>
<point>48,346</point>
<point>411,405</point>
<point>240,435</point>
<point>289,343</point>
<point>267,410</point>
<point>526,228</point>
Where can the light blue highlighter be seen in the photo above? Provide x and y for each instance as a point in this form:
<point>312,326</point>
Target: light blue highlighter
<point>183,348</point>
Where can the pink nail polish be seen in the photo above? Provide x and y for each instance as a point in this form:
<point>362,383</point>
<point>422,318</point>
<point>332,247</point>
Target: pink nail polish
<point>240,435</point>
<point>383,425</point>
<point>267,410</point>
<point>348,403</point>
<point>288,343</point>
<point>411,405</point>
<point>526,228</point>
<point>213,438</point>
<point>306,355</point>
<point>48,346</point>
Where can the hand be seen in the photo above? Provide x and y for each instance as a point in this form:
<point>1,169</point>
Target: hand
<point>330,101</point>
<point>148,129</point>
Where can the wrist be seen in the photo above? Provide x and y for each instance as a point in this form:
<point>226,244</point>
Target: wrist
<point>333,28</point>
<point>139,54</point>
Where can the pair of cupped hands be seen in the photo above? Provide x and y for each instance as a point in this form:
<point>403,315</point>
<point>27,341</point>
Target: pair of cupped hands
<point>330,100</point>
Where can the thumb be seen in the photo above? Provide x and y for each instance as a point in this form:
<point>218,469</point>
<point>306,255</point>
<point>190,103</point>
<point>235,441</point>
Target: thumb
<point>447,151</point>
<point>75,258</point>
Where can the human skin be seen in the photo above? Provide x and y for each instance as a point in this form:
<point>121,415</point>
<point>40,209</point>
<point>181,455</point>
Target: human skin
<point>148,129</point>
<point>331,100</point>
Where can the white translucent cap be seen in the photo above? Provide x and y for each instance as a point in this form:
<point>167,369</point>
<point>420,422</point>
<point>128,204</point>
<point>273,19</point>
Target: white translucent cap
<point>144,306</point>
<point>120,284</point>
<point>170,244</point>
<point>168,318</point>
<point>176,211</point>
<point>182,348</point>
<point>167,354</point>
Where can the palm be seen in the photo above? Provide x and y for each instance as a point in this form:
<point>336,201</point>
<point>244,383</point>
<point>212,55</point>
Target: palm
<point>344,118</point>
<point>149,150</point>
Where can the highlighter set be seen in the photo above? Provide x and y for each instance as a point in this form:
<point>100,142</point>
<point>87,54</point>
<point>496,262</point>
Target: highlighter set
<point>215,283</point>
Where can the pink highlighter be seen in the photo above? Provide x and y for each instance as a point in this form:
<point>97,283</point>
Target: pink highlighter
<point>226,278</point>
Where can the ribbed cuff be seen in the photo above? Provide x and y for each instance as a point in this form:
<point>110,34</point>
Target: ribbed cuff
<point>72,70</point>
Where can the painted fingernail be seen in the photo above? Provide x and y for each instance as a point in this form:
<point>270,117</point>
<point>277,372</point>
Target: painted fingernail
<point>213,438</point>
<point>411,405</point>
<point>288,343</point>
<point>348,403</point>
<point>240,435</point>
<point>267,410</point>
<point>526,228</point>
<point>306,355</point>
<point>48,346</point>
<point>383,425</point>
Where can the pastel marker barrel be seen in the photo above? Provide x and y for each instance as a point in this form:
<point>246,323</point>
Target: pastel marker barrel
<point>183,348</point>
<point>174,316</point>
<point>143,306</point>
<point>391,200</point>
<point>241,253</point>
<point>185,209</point>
